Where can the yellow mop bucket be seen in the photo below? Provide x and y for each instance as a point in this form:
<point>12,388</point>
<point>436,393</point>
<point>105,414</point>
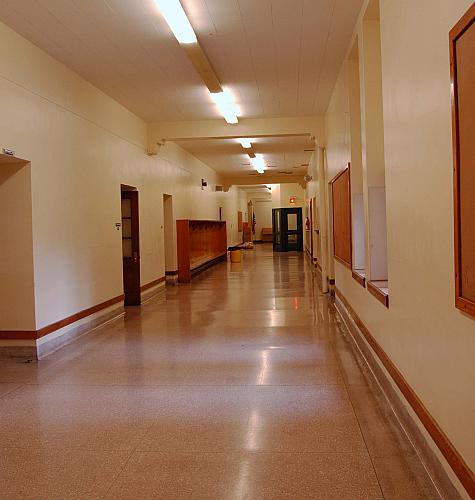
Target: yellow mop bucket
<point>235,254</point>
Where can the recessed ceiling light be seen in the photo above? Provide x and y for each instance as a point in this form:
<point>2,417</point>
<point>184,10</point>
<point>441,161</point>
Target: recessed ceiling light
<point>226,105</point>
<point>176,18</point>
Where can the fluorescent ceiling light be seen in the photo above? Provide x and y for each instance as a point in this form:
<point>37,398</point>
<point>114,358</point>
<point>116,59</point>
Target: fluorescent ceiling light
<point>245,143</point>
<point>258,163</point>
<point>226,105</point>
<point>176,18</point>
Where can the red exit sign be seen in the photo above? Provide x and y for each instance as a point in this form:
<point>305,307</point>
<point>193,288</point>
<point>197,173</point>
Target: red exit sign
<point>293,200</point>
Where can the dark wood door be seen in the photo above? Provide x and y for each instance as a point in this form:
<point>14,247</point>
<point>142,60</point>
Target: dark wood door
<point>130,247</point>
<point>292,234</point>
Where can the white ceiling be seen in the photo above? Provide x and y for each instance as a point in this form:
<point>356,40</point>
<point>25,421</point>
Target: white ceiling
<point>278,57</point>
<point>227,157</point>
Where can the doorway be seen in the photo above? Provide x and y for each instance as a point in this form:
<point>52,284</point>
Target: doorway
<point>287,229</point>
<point>168,235</point>
<point>17,285</point>
<point>130,245</point>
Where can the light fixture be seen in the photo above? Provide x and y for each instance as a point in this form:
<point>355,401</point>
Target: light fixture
<point>258,163</point>
<point>226,105</point>
<point>245,143</point>
<point>176,18</point>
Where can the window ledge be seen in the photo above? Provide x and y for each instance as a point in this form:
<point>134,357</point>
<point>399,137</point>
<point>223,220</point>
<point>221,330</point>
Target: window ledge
<point>360,276</point>
<point>380,290</point>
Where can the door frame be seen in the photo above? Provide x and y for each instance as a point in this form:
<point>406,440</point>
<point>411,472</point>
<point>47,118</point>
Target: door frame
<point>280,215</point>
<point>131,265</point>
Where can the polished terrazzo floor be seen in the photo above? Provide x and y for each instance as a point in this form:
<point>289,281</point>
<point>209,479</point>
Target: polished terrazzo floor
<point>239,386</point>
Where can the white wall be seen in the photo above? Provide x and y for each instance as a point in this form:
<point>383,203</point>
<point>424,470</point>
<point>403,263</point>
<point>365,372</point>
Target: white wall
<point>82,146</point>
<point>430,342</point>
<point>263,212</point>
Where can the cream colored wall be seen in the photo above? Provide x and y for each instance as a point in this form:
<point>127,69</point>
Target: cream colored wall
<point>291,189</point>
<point>82,146</point>
<point>17,301</point>
<point>263,213</point>
<point>431,342</point>
<point>233,201</point>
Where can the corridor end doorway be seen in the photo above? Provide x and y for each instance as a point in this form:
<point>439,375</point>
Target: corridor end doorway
<point>287,229</point>
<point>169,240</point>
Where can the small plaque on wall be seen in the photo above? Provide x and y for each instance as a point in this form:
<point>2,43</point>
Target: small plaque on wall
<point>462,57</point>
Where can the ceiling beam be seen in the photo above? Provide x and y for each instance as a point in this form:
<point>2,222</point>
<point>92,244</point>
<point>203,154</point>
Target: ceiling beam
<point>160,132</point>
<point>252,180</point>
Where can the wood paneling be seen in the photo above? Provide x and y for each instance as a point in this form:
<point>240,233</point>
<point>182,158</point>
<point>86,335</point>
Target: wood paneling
<point>454,459</point>
<point>199,242</point>
<point>462,57</point>
<point>341,204</point>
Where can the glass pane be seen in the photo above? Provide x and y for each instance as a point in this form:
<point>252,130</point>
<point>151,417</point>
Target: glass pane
<point>292,238</point>
<point>126,228</point>
<point>277,226</point>
<point>127,248</point>
<point>292,222</point>
<point>126,212</point>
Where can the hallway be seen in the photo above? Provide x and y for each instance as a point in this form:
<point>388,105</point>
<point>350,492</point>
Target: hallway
<point>240,385</point>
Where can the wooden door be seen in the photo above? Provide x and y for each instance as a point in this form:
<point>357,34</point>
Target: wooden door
<point>130,247</point>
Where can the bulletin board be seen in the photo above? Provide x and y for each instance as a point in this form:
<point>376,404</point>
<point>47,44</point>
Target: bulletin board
<point>341,206</point>
<point>462,56</point>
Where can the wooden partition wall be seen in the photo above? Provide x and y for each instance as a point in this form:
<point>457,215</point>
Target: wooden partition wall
<point>200,243</point>
<point>462,57</point>
<point>341,204</point>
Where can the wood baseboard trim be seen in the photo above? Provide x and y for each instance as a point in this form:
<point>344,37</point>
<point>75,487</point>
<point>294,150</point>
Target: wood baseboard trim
<point>153,283</point>
<point>171,273</point>
<point>18,334</point>
<point>37,334</point>
<point>443,443</point>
